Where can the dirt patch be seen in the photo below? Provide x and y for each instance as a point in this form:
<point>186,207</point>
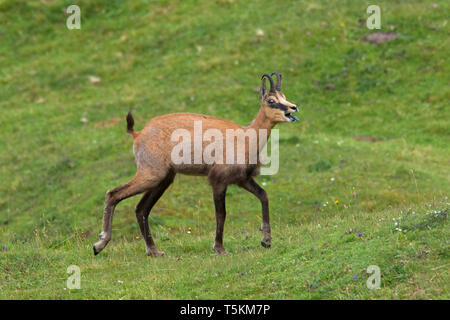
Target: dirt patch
<point>329,86</point>
<point>368,139</point>
<point>109,123</point>
<point>380,37</point>
<point>86,234</point>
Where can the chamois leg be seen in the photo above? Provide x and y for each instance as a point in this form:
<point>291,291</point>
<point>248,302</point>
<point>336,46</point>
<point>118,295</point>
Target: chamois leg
<point>135,186</point>
<point>143,210</point>
<point>219,203</point>
<point>251,186</point>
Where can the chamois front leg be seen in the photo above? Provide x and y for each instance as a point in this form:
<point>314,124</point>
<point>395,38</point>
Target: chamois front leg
<point>219,193</point>
<point>251,186</point>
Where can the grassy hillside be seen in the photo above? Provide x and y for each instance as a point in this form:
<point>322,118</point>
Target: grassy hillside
<point>364,176</point>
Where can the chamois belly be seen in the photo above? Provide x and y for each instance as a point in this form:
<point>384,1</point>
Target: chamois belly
<point>193,169</point>
<point>229,174</point>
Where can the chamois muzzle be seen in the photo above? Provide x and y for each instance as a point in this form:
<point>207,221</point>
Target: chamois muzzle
<point>289,115</point>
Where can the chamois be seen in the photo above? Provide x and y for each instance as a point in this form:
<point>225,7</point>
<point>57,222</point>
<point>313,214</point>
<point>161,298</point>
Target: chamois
<point>156,168</point>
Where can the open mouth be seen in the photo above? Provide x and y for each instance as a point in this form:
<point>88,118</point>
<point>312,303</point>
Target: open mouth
<point>290,117</point>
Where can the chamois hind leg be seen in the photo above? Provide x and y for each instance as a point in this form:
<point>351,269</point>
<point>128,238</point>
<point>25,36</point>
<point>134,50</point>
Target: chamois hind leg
<point>140,183</point>
<point>251,186</point>
<point>143,210</point>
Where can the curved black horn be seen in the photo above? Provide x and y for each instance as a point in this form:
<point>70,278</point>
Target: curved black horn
<point>278,86</point>
<point>270,80</point>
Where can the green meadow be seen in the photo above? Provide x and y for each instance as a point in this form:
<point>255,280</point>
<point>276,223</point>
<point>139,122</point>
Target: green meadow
<point>363,178</point>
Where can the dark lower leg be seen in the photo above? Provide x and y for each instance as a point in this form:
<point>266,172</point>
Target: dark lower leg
<point>267,238</point>
<point>142,219</point>
<point>219,203</point>
<point>261,194</point>
<point>143,210</point>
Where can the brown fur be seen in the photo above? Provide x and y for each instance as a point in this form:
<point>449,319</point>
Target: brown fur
<point>155,170</point>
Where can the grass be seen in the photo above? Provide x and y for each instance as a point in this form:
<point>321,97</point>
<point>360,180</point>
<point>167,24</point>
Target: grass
<point>377,142</point>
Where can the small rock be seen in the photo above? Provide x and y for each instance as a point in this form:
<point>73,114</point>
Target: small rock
<point>259,32</point>
<point>94,79</point>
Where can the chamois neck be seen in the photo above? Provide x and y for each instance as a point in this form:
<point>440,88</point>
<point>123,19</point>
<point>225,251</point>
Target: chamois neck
<point>262,122</point>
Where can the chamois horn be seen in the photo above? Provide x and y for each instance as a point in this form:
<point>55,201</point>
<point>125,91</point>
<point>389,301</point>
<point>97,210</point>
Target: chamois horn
<point>278,86</point>
<point>270,80</point>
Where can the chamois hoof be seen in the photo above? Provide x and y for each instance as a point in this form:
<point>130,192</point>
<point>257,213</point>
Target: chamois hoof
<point>95,250</point>
<point>265,244</point>
<point>156,253</point>
<point>220,250</point>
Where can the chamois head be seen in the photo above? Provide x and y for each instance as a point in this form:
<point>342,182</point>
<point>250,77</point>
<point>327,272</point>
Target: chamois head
<point>274,102</point>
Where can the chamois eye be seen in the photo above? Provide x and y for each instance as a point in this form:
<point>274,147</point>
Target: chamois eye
<point>270,101</point>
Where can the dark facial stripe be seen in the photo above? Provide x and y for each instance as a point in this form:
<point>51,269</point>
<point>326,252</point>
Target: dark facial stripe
<point>280,106</point>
